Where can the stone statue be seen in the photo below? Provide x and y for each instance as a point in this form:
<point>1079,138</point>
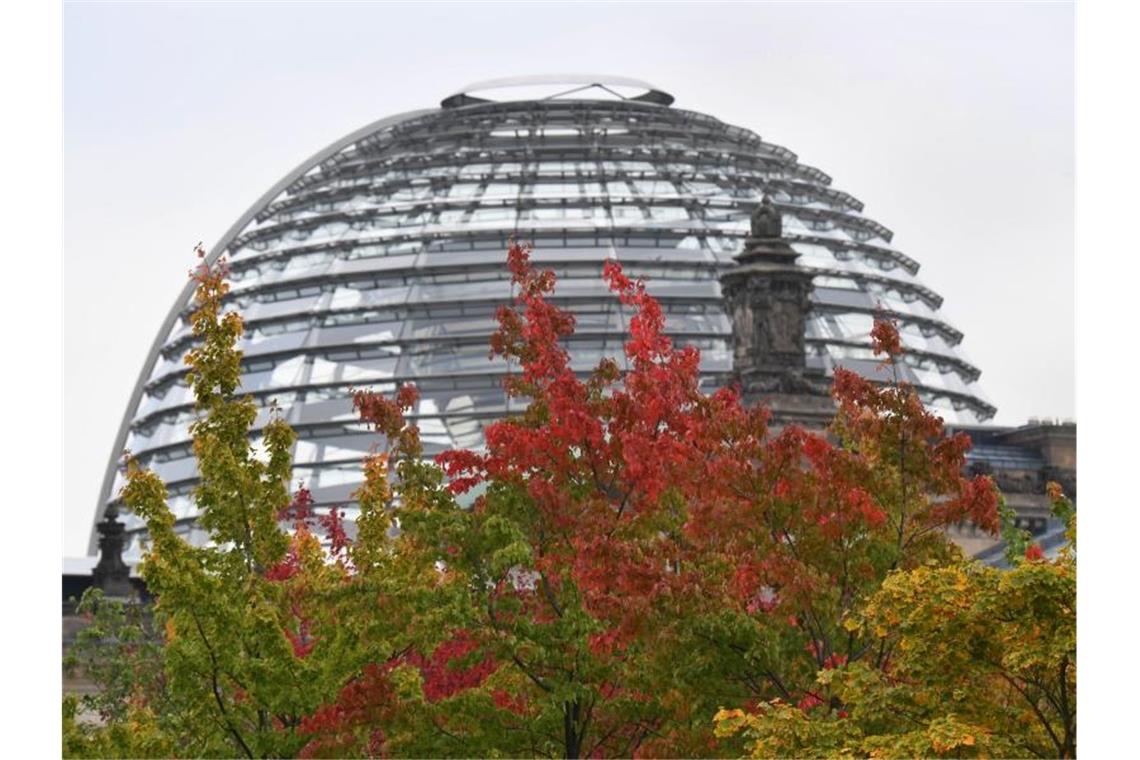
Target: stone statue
<point>784,328</point>
<point>766,220</point>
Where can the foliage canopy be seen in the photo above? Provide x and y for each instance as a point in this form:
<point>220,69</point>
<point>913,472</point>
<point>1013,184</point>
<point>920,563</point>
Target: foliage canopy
<point>630,567</point>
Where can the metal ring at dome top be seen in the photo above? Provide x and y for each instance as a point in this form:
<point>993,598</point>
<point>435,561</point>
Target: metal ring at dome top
<point>562,86</point>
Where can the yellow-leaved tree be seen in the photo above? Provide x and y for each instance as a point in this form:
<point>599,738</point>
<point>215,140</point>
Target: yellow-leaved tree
<point>980,662</point>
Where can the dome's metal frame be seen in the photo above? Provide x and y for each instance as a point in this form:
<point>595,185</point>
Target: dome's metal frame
<point>715,170</point>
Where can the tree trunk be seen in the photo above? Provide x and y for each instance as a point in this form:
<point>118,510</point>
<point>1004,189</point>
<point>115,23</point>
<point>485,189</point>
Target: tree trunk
<point>570,736</point>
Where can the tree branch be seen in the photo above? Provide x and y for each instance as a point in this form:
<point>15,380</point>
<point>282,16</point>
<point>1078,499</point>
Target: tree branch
<point>217,693</point>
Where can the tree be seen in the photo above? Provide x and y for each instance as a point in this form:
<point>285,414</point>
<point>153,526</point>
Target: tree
<point>235,618</point>
<point>550,575</point>
<point>120,651</point>
<point>981,662</point>
<point>810,528</point>
<point>626,557</point>
<point>640,552</point>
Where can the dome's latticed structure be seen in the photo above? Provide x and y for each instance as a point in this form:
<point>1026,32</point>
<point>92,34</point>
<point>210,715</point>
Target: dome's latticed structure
<point>381,259</point>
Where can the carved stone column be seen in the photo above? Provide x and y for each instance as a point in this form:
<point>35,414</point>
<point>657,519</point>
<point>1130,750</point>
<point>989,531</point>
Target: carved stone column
<point>767,296</point>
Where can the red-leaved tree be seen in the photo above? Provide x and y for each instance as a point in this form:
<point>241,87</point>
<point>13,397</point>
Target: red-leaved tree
<point>630,553</point>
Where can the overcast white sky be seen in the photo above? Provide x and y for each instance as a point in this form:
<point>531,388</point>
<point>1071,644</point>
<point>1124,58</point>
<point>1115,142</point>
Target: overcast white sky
<point>952,123</point>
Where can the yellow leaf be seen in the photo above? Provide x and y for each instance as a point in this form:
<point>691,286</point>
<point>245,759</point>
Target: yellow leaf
<point>968,740</point>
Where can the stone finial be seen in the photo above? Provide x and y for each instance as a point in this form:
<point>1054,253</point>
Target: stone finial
<point>767,223</point>
<point>112,574</point>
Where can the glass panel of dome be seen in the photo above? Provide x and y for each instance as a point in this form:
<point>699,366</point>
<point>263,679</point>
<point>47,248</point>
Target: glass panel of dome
<point>699,189</point>
<point>463,190</point>
<point>496,289</point>
<point>894,302</point>
<point>339,449</point>
<point>171,395</point>
<point>555,168</point>
<point>181,506</point>
<point>377,297</point>
<point>668,213</point>
<point>335,476</point>
<point>329,229</point>
<point>277,343</point>
<point>167,366</point>
<point>451,216</point>
<point>714,323</point>
<point>176,470</point>
<point>284,372</point>
<point>949,381</point>
<point>306,451</point>
<point>492,215</point>
<point>445,361</point>
<point>279,303</point>
<point>410,192</point>
<point>532,214</point>
<point>853,298</point>
<point>556,190</point>
<point>840,283</point>
<point>627,213</point>
<point>474,170</point>
<point>655,188</point>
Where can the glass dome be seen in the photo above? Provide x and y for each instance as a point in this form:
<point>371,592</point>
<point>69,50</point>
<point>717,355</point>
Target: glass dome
<point>381,259</point>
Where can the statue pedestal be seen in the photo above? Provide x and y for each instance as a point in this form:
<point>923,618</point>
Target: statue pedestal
<point>811,409</point>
